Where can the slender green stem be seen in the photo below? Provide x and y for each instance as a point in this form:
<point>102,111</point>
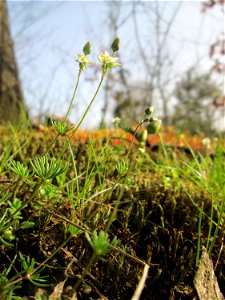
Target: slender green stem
<point>113,214</point>
<point>16,185</point>
<point>135,131</point>
<point>52,144</point>
<point>75,169</point>
<point>89,106</point>
<point>36,190</point>
<point>68,111</point>
<point>94,255</point>
<point>163,147</point>
<point>73,97</point>
<point>210,225</point>
<point>219,222</point>
<point>85,113</point>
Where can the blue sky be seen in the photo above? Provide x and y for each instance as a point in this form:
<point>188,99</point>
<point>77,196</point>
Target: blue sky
<point>47,46</point>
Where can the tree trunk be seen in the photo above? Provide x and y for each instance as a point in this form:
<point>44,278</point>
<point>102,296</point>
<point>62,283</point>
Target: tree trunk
<point>11,96</point>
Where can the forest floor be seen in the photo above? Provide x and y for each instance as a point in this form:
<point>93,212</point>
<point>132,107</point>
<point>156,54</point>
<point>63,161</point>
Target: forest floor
<point>89,231</point>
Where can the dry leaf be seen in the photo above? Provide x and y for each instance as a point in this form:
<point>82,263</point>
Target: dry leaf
<point>205,280</point>
<point>58,290</point>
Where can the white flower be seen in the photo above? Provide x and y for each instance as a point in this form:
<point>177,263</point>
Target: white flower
<point>81,58</point>
<point>108,61</point>
<point>207,142</point>
<point>105,57</point>
<point>116,121</point>
<point>83,61</point>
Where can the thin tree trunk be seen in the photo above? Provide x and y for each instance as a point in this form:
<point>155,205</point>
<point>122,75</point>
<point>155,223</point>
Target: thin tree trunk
<point>11,96</point>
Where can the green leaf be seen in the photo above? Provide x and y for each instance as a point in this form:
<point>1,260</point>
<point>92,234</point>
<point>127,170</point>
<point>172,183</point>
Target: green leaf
<point>26,224</point>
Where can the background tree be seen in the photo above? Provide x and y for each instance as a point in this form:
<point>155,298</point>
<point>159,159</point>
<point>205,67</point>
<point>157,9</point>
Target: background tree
<point>217,53</point>
<point>156,50</point>
<point>150,57</point>
<point>193,111</point>
<point>217,49</point>
<point>11,96</point>
<point>27,18</point>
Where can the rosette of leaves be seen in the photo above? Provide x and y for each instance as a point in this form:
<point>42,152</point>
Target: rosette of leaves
<point>20,169</point>
<point>46,167</point>
<point>100,242</point>
<point>61,127</point>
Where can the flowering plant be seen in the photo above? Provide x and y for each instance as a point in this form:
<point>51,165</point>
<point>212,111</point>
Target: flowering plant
<point>108,61</point>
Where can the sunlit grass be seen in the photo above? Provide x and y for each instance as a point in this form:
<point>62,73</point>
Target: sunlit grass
<point>106,184</point>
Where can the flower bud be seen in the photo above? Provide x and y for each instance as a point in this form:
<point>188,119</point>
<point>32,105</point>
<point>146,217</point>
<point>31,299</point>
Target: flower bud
<point>115,44</point>
<point>87,48</point>
<point>149,110</point>
<point>144,136</point>
<point>154,126</point>
<point>141,150</point>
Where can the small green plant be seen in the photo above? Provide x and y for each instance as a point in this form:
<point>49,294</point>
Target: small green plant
<point>122,168</point>
<point>11,221</point>
<point>49,191</point>
<point>73,230</point>
<point>28,266</point>
<point>61,127</point>
<point>5,290</point>
<point>101,243</point>
<point>20,169</point>
<point>46,167</point>
<point>14,208</point>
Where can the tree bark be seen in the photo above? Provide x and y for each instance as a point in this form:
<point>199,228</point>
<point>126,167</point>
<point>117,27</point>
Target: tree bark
<point>11,96</point>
